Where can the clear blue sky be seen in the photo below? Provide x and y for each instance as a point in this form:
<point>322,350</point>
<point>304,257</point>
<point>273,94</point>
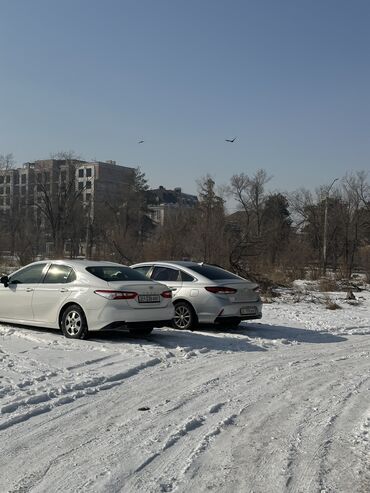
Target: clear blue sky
<point>289,78</point>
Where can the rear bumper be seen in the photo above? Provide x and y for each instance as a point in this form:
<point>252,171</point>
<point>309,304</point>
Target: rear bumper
<point>111,318</point>
<point>220,312</point>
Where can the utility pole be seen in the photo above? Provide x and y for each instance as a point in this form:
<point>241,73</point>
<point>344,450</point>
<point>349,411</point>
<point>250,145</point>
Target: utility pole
<point>325,239</point>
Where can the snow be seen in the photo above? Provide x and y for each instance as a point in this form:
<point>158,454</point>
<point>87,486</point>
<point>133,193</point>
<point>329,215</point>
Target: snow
<point>282,404</point>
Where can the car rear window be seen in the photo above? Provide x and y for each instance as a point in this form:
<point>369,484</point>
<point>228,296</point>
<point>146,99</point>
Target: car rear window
<point>112,273</point>
<point>212,272</point>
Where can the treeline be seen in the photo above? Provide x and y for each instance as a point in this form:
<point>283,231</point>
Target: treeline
<point>277,236</point>
<point>273,235</point>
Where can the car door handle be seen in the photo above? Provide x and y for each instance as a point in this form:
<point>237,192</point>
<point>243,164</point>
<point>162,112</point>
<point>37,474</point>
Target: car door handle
<point>29,289</point>
<point>64,290</point>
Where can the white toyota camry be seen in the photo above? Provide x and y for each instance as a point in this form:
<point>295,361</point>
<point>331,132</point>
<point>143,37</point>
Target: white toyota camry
<point>78,296</point>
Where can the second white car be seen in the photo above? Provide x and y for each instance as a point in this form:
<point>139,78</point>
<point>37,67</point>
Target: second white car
<point>205,294</point>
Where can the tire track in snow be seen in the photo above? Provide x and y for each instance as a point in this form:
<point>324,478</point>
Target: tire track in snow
<point>56,397</point>
<point>190,440</point>
<point>317,436</point>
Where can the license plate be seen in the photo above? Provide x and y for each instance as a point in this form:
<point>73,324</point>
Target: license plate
<point>149,298</point>
<point>251,310</point>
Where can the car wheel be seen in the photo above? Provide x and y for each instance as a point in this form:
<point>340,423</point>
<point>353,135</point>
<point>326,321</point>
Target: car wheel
<point>141,331</point>
<point>185,317</point>
<point>74,325</point>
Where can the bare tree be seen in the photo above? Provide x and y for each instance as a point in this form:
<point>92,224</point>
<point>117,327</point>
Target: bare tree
<point>122,221</point>
<point>210,222</point>
<point>7,161</point>
<point>245,226</point>
<point>249,192</point>
<point>58,198</point>
<point>177,238</point>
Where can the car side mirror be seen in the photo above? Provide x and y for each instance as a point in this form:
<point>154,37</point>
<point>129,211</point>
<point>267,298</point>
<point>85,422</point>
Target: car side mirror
<point>4,280</point>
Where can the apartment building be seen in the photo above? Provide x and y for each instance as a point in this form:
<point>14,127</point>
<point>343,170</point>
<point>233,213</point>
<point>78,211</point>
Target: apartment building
<point>97,181</point>
<point>163,202</point>
<point>24,190</point>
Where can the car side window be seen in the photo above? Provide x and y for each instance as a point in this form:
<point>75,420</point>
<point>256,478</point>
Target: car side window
<point>143,269</point>
<point>28,275</point>
<point>186,277</point>
<point>165,274</point>
<point>59,274</point>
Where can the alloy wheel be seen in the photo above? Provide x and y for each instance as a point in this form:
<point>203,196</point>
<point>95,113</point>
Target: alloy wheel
<point>183,317</point>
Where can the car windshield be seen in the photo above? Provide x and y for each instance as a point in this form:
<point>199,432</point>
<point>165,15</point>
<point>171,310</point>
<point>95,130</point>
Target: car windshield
<point>112,273</point>
<point>212,272</point>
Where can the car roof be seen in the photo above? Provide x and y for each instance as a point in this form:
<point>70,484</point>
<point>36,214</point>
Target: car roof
<point>80,262</point>
<point>183,263</point>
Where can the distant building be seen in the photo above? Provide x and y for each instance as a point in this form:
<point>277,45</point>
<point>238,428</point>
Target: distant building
<point>96,180</point>
<point>23,189</point>
<point>162,202</point>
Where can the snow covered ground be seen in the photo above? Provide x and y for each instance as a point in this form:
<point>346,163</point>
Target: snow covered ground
<point>281,405</point>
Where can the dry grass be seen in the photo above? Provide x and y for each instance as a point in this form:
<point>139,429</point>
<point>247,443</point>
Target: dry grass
<point>331,305</point>
<point>326,285</point>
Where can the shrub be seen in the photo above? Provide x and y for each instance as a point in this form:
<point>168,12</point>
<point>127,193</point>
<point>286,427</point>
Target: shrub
<point>331,305</point>
<point>326,284</point>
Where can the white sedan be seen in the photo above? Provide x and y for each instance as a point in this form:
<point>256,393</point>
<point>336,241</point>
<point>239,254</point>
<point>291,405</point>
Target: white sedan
<point>78,296</point>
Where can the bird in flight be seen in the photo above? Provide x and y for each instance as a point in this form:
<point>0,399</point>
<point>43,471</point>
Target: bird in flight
<point>140,142</point>
<point>230,140</point>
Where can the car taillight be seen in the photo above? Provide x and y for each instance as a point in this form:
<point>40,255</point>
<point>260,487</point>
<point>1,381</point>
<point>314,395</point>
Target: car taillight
<point>166,294</point>
<point>221,290</point>
<point>116,295</point>
<point>256,289</point>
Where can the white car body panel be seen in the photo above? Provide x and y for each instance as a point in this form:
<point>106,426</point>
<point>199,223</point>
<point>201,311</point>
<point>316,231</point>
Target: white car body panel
<point>47,301</point>
<point>16,299</point>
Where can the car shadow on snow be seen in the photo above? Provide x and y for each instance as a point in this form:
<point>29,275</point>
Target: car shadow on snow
<point>245,338</point>
<point>168,338</point>
<point>284,333</point>
<point>182,340</point>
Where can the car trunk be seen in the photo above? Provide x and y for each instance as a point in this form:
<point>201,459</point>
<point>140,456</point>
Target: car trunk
<point>245,290</point>
<point>148,293</point>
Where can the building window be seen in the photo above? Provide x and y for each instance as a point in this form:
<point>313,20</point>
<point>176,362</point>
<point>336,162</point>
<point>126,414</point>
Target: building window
<point>81,172</point>
<point>63,175</point>
<point>88,172</point>
<point>8,179</point>
<point>16,179</point>
<point>80,185</point>
<point>24,178</point>
<point>1,179</point>
<point>7,191</point>
<point>88,197</point>
<point>88,184</point>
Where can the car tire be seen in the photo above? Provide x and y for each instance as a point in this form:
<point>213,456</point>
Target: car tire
<point>185,317</point>
<point>73,323</point>
<point>141,331</point>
